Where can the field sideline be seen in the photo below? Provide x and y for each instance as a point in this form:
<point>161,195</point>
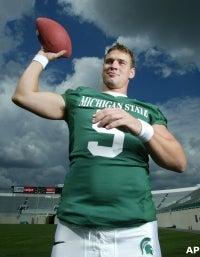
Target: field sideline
<point>36,241</point>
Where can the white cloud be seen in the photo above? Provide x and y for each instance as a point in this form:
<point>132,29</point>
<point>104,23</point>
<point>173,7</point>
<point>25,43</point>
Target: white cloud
<point>12,11</point>
<point>87,72</point>
<point>171,27</point>
<point>29,145</point>
<point>5,181</point>
<point>183,121</point>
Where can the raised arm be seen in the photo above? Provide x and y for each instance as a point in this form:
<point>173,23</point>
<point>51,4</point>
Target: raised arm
<point>27,95</point>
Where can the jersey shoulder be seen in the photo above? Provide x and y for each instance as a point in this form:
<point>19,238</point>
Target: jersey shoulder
<point>82,90</point>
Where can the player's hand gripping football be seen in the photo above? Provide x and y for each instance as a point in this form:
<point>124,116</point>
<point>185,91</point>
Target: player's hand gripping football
<point>51,56</point>
<point>117,118</point>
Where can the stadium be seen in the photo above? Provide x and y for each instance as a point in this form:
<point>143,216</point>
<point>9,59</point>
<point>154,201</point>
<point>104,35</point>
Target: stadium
<point>176,208</point>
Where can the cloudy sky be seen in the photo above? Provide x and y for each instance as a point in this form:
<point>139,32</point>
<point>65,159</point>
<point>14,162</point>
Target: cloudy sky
<point>165,38</point>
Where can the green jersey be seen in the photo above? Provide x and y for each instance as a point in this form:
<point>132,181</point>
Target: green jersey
<point>108,182</point>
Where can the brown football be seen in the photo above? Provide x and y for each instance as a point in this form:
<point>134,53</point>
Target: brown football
<point>53,36</point>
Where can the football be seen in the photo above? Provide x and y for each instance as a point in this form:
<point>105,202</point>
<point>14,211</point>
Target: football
<point>53,36</point>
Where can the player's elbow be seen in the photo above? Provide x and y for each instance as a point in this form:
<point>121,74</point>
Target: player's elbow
<point>175,164</point>
<point>180,164</point>
<point>16,98</point>
<point>179,161</point>
<point>19,99</point>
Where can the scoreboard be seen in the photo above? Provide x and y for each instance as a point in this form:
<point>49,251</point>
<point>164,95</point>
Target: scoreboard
<point>36,190</point>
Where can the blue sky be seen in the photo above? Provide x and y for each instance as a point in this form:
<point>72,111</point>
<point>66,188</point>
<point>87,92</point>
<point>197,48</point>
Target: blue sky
<point>165,38</point>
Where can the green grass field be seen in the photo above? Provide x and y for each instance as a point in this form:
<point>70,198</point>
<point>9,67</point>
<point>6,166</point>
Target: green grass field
<point>36,241</point>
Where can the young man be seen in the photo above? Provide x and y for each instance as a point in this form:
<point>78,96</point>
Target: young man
<point>106,207</point>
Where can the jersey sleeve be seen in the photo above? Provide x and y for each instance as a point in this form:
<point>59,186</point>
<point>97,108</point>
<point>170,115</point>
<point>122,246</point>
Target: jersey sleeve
<point>157,117</point>
<point>66,95</point>
<point>71,95</point>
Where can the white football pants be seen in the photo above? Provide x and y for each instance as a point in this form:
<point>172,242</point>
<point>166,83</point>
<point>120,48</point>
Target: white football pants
<point>75,241</point>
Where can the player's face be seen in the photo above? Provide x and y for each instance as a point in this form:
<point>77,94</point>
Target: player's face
<point>117,70</point>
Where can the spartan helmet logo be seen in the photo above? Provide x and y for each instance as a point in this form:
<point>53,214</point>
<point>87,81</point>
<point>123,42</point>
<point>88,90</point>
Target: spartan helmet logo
<point>146,247</point>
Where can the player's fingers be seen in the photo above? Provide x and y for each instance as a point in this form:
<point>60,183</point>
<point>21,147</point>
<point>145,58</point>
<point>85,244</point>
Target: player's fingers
<point>115,124</point>
<point>106,121</point>
<point>102,118</point>
<point>111,120</point>
<point>61,53</point>
<point>54,56</point>
<point>109,113</point>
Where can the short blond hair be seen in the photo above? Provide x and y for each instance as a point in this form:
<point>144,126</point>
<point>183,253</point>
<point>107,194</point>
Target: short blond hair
<point>124,49</point>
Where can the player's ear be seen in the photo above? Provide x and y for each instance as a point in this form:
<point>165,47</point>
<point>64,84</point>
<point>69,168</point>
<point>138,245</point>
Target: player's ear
<point>132,73</point>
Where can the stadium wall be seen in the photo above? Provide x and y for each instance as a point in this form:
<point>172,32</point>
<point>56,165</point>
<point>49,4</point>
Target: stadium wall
<point>188,219</point>
<point>27,219</point>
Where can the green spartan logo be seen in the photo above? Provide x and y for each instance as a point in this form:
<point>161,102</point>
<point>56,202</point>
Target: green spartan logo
<point>146,247</point>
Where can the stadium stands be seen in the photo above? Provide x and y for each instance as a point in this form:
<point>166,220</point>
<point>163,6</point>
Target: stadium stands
<point>28,208</point>
<point>164,199</point>
<point>178,208</point>
<point>175,207</point>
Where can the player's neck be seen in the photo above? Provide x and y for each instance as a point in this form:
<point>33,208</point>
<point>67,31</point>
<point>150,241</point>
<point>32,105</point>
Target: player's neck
<point>114,91</point>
